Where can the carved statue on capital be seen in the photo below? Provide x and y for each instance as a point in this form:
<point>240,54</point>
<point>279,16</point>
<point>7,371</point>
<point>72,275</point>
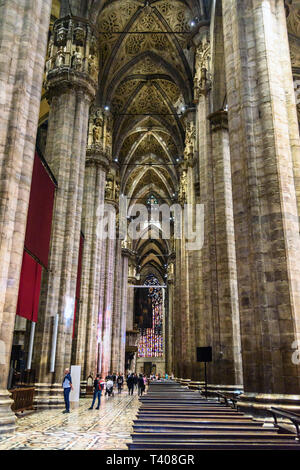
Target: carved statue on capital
<point>76,61</point>
<point>109,189</point>
<point>117,190</point>
<point>60,57</point>
<point>72,48</point>
<point>92,67</point>
<point>95,132</point>
<point>182,187</point>
<point>190,139</point>
<point>202,80</point>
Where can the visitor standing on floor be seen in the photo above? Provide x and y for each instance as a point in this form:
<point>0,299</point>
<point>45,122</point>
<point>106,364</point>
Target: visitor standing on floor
<point>130,384</point>
<point>120,381</point>
<point>141,385</point>
<point>98,387</point>
<point>67,386</point>
<point>135,380</point>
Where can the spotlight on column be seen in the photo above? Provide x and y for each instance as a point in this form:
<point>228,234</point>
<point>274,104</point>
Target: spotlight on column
<point>106,108</point>
<point>192,23</point>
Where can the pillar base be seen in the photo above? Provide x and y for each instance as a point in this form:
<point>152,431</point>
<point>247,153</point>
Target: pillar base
<point>257,404</point>
<point>7,416</point>
<point>48,396</point>
<point>184,382</point>
<point>234,389</point>
<point>194,385</point>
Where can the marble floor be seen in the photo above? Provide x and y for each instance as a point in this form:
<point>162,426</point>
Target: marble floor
<point>82,429</point>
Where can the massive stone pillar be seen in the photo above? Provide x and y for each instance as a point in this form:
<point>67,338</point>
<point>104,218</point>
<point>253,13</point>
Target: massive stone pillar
<point>170,324</point>
<point>227,364</point>
<point>122,338</point>
<point>97,164</point>
<point>112,192</point>
<point>205,266</point>
<point>71,87</point>
<point>185,253</point>
<point>116,320</point>
<point>217,318</point>
<point>263,144</point>
<point>23,39</point>
<point>132,333</point>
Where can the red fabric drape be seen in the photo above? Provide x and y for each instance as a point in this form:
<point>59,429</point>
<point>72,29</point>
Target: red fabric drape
<point>78,283</point>
<point>39,219</point>
<point>29,290</point>
<point>37,239</point>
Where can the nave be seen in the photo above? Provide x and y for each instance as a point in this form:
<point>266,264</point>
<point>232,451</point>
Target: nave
<point>168,417</point>
<point>149,205</point>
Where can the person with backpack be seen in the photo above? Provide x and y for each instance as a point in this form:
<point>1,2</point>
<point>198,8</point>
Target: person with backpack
<point>98,387</point>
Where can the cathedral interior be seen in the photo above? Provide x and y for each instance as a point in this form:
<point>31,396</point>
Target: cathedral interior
<point>149,203</point>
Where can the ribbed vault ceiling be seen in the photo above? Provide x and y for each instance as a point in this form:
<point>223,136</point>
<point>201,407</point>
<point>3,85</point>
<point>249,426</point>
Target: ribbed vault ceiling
<point>146,74</point>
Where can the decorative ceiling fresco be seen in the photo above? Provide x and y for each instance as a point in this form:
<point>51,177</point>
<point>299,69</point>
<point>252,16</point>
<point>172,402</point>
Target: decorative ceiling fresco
<point>147,68</point>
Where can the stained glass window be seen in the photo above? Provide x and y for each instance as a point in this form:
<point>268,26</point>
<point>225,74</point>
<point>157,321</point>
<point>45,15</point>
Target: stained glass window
<point>152,200</point>
<point>151,339</point>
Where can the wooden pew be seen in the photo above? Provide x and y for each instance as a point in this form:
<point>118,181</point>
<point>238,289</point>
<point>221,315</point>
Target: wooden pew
<point>174,418</point>
<point>23,398</point>
<point>293,417</point>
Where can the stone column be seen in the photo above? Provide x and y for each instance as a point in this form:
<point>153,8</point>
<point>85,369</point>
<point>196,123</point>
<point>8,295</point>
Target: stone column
<point>205,273</point>
<point>23,39</point>
<point>116,321</point>
<point>130,293</point>
<point>109,259</point>
<point>122,339</point>
<point>183,337</point>
<point>170,326</point>
<point>227,363</point>
<point>96,167</point>
<point>264,175</point>
<point>70,88</point>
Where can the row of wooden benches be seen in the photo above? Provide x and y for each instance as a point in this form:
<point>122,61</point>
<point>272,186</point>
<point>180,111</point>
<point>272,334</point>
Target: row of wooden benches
<point>172,417</point>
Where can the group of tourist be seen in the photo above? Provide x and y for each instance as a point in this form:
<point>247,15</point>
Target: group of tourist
<point>111,382</point>
<point>136,381</point>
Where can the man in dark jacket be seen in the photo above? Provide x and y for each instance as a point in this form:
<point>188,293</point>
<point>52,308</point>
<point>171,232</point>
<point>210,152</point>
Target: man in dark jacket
<point>98,387</point>
<point>130,384</point>
<point>141,385</point>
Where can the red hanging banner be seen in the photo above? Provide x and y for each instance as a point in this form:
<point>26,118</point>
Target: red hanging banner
<point>39,219</point>
<point>37,240</point>
<point>29,290</point>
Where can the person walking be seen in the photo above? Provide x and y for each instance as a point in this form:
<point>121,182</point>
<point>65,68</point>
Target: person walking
<point>135,380</point>
<point>145,381</point>
<point>141,385</point>
<point>67,386</point>
<point>98,388</point>
<point>130,384</point>
<point>120,381</point>
<point>109,388</point>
